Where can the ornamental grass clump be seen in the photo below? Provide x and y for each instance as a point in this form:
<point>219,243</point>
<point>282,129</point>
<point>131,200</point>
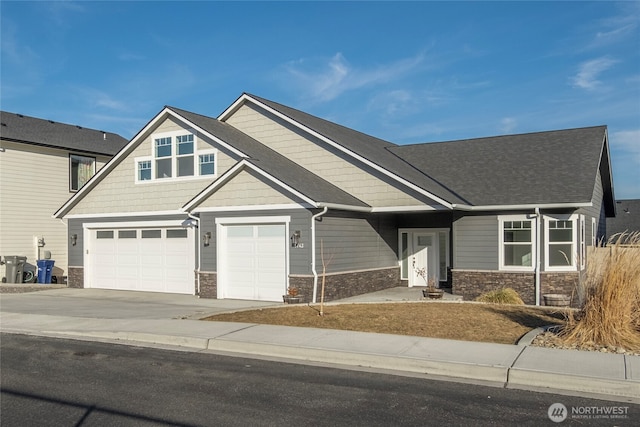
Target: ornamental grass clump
<point>611,312</point>
<point>501,296</point>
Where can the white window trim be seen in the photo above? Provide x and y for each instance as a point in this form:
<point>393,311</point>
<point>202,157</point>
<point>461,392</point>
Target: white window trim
<point>583,243</point>
<point>174,156</point>
<point>594,232</point>
<point>575,262</point>
<point>525,217</point>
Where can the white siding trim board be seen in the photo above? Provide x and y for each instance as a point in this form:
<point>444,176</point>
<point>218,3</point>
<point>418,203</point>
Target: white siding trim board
<point>124,214</point>
<point>233,172</point>
<point>254,208</point>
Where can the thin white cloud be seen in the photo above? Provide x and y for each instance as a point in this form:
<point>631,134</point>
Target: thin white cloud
<point>628,141</point>
<point>96,98</point>
<point>508,125</point>
<point>589,72</point>
<point>324,82</point>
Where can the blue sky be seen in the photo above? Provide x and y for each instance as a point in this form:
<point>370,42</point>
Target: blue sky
<point>406,72</point>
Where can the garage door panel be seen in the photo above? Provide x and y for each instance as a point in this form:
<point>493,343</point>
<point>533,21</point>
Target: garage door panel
<point>255,261</point>
<point>146,259</point>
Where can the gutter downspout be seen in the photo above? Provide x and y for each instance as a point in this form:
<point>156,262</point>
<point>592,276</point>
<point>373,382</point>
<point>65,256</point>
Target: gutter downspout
<point>197,220</point>
<point>537,279</point>
<point>313,251</point>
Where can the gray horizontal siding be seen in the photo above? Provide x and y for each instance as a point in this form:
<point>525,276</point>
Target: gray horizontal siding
<point>475,243</point>
<point>300,220</point>
<point>356,242</point>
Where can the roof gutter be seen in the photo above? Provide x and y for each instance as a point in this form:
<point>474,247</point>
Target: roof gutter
<point>342,207</point>
<point>521,207</point>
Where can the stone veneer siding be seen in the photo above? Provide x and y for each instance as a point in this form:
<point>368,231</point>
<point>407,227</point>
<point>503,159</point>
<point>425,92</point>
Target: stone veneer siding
<point>343,285</point>
<point>75,277</point>
<point>208,284</point>
<point>471,284</point>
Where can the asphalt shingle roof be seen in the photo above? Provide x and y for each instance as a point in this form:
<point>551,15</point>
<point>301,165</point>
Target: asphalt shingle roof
<point>275,164</point>
<point>371,148</point>
<point>627,217</point>
<point>542,167</point>
<point>31,130</point>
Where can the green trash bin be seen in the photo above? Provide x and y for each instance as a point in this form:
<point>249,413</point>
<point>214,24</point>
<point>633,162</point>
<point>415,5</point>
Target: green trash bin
<point>15,265</point>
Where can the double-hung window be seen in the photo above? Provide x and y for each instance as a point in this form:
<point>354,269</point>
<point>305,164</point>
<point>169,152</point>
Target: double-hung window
<point>561,237</point>
<point>81,169</point>
<point>185,154</point>
<point>517,241</point>
<point>175,155</point>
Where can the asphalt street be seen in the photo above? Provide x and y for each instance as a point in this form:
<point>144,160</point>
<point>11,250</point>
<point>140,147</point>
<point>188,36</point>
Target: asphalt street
<point>55,382</point>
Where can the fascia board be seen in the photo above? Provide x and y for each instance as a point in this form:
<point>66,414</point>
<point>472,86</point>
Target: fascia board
<point>230,174</point>
<point>415,208</point>
<point>209,135</point>
<point>125,214</point>
<point>521,207</point>
<point>233,107</point>
<point>339,147</point>
<point>109,166</point>
<point>208,190</point>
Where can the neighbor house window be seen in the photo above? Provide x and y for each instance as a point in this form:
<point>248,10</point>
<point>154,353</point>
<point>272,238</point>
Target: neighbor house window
<point>517,238</point>
<point>81,169</point>
<point>561,243</point>
<point>175,155</point>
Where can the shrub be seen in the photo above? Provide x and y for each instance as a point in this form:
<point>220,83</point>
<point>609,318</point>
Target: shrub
<point>501,296</point>
<point>611,312</point>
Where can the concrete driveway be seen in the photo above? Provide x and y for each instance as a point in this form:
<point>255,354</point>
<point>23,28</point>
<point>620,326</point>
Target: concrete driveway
<point>110,304</point>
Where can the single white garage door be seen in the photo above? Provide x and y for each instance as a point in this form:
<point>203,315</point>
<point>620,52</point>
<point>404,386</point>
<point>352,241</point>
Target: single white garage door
<point>254,261</point>
<point>142,259</point>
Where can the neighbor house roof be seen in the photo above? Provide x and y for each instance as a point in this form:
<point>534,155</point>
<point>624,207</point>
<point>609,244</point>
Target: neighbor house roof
<point>30,130</point>
<point>273,163</point>
<point>546,168</point>
<point>627,217</point>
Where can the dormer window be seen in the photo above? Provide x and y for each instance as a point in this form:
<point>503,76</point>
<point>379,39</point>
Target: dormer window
<point>175,155</point>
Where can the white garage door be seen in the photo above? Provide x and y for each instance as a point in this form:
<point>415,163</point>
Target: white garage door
<point>142,259</point>
<point>254,261</point>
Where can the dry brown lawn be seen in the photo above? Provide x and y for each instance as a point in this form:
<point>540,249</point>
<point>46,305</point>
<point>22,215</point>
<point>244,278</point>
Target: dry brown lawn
<point>459,321</point>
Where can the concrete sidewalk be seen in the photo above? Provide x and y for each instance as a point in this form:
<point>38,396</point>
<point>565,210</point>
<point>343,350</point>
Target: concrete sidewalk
<point>611,376</point>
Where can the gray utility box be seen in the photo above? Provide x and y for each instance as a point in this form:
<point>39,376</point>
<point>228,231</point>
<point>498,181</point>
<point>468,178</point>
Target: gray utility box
<point>15,265</point>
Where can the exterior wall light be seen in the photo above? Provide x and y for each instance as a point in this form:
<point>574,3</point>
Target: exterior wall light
<point>73,239</point>
<point>295,239</point>
<point>206,238</point>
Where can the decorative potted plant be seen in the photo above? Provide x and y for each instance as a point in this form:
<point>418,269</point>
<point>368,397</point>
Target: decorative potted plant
<point>293,296</point>
<point>432,291</point>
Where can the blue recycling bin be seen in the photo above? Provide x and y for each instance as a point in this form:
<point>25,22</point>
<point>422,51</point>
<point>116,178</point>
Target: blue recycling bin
<point>45,266</point>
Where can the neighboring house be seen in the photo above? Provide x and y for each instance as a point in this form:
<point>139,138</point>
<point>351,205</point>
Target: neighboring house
<point>249,203</point>
<point>43,163</point>
<point>627,219</point>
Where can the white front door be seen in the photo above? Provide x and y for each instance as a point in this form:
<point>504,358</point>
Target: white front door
<point>423,262</point>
